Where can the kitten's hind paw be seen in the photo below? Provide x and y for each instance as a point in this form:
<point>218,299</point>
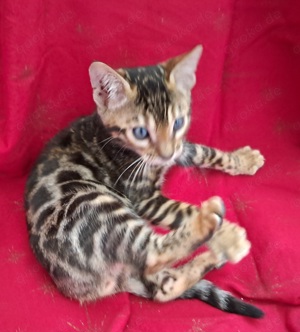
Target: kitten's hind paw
<point>230,243</point>
<point>210,218</point>
<point>213,210</point>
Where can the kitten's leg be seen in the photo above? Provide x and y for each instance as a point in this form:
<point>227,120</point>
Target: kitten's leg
<point>228,244</point>
<point>165,212</point>
<point>241,161</point>
<point>171,283</point>
<point>164,250</point>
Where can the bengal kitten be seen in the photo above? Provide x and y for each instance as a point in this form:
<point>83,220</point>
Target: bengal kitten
<point>97,185</point>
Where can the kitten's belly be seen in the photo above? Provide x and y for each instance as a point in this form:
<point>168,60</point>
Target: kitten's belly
<point>111,283</point>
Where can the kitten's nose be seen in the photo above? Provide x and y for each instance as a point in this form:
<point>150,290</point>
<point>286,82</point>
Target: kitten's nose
<point>166,151</point>
<point>165,145</point>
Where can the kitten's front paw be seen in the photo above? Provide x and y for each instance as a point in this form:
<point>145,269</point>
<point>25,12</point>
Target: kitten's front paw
<point>247,161</point>
<point>230,243</point>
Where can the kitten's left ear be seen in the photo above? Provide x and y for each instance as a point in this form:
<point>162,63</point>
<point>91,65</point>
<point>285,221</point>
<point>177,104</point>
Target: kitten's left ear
<point>111,91</point>
<point>181,70</point>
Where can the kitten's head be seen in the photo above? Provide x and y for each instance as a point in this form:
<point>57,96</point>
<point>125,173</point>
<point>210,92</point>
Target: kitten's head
<point>148,108</point>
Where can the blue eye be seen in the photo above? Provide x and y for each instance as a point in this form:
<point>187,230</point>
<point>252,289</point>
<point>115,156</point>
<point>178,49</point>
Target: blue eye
<point>140,132</point>
<point>178,124</point>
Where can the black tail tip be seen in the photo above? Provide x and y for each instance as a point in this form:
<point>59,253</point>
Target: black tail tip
<point>247,309</point>
<point>255,312</point>
<point>237,306</point>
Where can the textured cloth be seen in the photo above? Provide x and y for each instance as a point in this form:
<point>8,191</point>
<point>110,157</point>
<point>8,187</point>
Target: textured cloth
<point>247,93</point>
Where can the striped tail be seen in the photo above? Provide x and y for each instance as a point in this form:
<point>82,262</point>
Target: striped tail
<point>209,293</point>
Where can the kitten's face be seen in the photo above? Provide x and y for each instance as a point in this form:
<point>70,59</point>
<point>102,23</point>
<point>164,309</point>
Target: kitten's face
<point>147,108</point>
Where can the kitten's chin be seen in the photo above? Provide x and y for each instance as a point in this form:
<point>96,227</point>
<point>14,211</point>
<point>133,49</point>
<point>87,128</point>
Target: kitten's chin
<point>160,162</point>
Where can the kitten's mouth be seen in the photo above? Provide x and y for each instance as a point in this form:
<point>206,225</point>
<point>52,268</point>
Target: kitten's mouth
<point>161,162</point>
<point>157,161</point>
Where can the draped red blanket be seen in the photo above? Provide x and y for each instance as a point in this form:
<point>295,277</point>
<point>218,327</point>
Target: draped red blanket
<point>247,93</point>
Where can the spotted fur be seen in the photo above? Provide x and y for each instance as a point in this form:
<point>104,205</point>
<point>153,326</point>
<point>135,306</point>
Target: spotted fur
<point>97,185</point>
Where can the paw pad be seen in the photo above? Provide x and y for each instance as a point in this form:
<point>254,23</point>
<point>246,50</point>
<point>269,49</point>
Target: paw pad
<point>249,161</point>
<point>230,243</point>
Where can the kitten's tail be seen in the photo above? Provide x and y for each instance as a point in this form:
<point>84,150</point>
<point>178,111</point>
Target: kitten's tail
<point>207,292</point>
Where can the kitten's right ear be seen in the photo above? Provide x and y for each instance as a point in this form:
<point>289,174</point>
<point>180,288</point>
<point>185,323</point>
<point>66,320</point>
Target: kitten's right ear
<point>111,91</point>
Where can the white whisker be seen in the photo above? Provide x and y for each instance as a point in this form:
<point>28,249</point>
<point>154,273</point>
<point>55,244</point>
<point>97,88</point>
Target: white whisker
<point>109,139</point>
<point>138,170</point>
<point>122,148</point>
<point>132,172</point>
<point>134,162</point>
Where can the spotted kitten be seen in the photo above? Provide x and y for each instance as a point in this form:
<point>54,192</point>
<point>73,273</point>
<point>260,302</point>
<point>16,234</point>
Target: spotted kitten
<point>97,186</point>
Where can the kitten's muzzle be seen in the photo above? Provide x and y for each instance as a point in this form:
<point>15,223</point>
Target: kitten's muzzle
<point>166,151</point>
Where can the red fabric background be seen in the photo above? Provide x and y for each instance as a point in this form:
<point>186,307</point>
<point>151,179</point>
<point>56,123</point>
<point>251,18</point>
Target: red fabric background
<point>247,92</point>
